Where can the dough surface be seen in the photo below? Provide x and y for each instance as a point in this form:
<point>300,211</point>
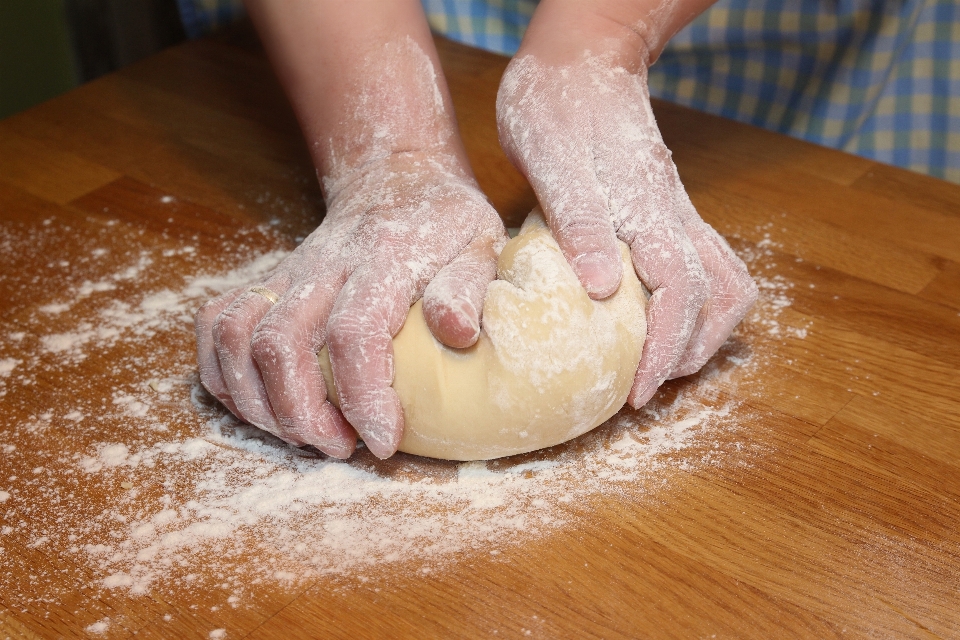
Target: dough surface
<point>550,363</point>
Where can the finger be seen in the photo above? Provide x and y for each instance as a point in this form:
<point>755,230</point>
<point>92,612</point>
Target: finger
<point>732,293</point>
<point>576,210</point>
<point>232,332</point>
<point>668,264</point>
<point>285,346</point>
<point>369,311</point>
<point>453,301</point>
<point>211,376</point>
<point>588,243</point>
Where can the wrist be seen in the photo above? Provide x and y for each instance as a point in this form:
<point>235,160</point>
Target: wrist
<point>630,33</point>
<point>396,107</point>
<point>385,171</point>
<point>363,78</point>
<point>381,145</point>
<point>587,30</point>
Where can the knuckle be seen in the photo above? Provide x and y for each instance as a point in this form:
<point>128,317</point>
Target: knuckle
<point>742,285</point>
<point>588,224</point>
<point>269,341</point>
<point>751,292</point>
<point>207,313</point>
<point>230,325</point>
<point>281,337</point>
<point>698,284</point>
<point>211,381</point>
<point>738,289</point>
<point>746,295</point>
<point>346,329</point>
<point>359,321</point>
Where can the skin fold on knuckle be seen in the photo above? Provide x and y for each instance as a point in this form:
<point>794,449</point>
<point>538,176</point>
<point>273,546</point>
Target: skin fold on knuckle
<point>360,353</point>
<point>696,283</point>
<point>204,318</point>
<point>272,343</point>
<point>583,234</point>
<point>348,329</point>
<point>736,290</point>
<point>230,327</point>
<point>212,379</point>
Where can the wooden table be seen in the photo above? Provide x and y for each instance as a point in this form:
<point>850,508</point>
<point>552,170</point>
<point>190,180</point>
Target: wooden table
<point>824,502</point>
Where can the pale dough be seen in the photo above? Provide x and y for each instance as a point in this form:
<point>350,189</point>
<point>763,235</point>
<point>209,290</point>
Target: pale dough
<point>550,363</point>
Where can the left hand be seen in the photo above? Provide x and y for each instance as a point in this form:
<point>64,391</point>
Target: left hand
<point>584,134</point>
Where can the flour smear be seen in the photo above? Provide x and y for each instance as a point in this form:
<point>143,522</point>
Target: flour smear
<point>153,487</point>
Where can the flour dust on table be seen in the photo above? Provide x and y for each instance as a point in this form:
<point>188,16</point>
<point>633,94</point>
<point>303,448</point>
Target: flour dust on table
<point>155,489</point>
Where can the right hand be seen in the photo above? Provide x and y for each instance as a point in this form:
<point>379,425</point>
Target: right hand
<point>405,226</point>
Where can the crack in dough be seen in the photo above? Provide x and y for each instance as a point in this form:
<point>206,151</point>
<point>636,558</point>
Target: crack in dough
<point>550,363</point>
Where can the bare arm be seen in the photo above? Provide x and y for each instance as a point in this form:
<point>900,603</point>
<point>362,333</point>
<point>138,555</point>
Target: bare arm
<point>356,92</point>
<point>637,29</point>
<point>405,219</point>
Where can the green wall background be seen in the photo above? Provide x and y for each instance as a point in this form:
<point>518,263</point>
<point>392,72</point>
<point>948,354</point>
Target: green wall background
<point>36,56</point>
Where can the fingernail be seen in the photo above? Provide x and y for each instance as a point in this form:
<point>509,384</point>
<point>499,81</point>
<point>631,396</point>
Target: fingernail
<point>340,450</point>
<point>595,273</point>
<point>381,447</point>
<point>468,320</point>
<point>382,432</point>
<point>640,397</point>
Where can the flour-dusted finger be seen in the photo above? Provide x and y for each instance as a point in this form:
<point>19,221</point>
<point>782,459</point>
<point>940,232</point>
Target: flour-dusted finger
<point>732,293</point>
<point>232,331</point>
<point>669,266</point>
<point>285,346</point>
<point>369,311</point>
<point>453,301</point>
<point>211,376</point>
<point>554,155</point>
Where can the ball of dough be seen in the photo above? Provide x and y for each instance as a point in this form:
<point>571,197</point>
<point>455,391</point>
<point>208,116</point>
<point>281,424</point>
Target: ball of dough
<point>550,363</point>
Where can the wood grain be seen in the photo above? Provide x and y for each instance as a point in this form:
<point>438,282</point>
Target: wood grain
<point>831,511</point>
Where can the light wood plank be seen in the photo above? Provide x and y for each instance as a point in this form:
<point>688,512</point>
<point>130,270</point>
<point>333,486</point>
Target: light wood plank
<point>920,190</point>
<point>945,287</point>
<point>857,254</point>
<point>781,189</point>
<point>831,512</point>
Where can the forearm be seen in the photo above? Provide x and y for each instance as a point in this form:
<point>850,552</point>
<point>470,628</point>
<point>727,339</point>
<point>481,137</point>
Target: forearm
<point>363,78</point>
<point>633,31</point>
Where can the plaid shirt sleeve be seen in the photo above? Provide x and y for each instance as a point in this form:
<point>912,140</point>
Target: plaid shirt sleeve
<point>879,78</point>
<point>200,17</point>
<point>494,25</point>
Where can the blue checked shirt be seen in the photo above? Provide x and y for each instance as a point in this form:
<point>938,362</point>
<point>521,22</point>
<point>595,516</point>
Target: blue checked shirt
<point>200,17</point>
<point>879,78</point>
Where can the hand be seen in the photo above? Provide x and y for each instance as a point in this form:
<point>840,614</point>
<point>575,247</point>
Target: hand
<point>584,135</point>
<point>405,219</point>
<point>405,226</point>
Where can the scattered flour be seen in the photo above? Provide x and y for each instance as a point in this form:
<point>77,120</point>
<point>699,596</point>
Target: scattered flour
<point>156,489</point>
<point>54,308</point>
<point>99,627</point>
<point>7,365</point>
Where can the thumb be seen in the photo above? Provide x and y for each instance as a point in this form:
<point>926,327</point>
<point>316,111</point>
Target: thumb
<point>453,301</point>
<point>576,211</point>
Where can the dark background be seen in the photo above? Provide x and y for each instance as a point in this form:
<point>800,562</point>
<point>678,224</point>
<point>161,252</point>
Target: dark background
<point>50,46</point>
